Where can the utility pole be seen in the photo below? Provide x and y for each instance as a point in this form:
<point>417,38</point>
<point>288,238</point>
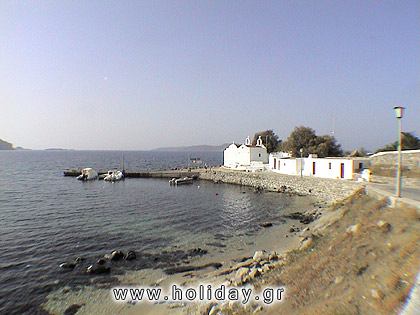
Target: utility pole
<point>399,112</point>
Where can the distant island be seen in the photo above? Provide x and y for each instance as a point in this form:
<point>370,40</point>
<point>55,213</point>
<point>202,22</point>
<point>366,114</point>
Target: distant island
<point>4,145</point>
<point>206,148</point>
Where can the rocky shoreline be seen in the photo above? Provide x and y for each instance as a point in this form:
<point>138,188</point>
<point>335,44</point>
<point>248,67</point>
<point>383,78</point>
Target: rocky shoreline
<point>300,231</point>
<point>325,191</point>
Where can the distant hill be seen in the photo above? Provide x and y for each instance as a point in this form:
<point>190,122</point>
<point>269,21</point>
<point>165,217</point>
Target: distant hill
<point>4,145</point>
<point>201,148</point>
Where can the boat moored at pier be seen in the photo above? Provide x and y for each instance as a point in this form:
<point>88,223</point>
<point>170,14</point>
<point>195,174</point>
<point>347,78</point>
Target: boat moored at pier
<point>181,181</point>
<point>113,176</point>
<point>88,174</point>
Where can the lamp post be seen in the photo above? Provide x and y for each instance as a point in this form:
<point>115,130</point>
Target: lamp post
<point>399,112</point>
<point>301,161</point>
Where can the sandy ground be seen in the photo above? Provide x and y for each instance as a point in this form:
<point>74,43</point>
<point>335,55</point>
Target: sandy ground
<point>364,260</point>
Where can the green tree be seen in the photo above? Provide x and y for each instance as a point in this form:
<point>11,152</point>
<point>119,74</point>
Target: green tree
<point>269,139</point>
<point>327,146</point>
<point>408,142</point>
<point>305,138</point>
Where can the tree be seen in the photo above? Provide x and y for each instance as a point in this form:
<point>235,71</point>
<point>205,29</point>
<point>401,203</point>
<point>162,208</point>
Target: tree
<point>269,138</point>
<point>301,137</point>
<point>327,146</point>
<point>408,142</point>
<point>305,138</point>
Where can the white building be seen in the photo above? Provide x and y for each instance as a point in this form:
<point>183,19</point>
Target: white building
<point>245,155</point>
<point>337,167</point>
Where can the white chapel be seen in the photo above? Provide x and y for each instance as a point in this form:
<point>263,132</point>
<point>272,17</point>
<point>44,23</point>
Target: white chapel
<point>245,155</point>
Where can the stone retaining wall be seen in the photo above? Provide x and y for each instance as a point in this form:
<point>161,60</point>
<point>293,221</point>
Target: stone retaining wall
<point>410,159</point>
<point>324,190</point>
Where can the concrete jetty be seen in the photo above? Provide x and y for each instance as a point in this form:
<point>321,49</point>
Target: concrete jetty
<point>142,174</point>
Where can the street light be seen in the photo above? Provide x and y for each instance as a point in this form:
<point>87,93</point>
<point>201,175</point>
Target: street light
<point>301,161</point>
<point>399,112</point>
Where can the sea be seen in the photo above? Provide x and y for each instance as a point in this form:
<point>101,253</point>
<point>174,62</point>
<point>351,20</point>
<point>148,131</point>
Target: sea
<point>47,219</point>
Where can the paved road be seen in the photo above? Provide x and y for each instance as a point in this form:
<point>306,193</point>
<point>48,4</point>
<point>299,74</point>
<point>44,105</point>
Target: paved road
<point>406,192</point>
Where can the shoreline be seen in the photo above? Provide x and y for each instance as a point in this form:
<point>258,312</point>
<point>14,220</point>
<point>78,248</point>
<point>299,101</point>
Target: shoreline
<point>325,191</point>
<point>97,301</point>
<point>270,241</point>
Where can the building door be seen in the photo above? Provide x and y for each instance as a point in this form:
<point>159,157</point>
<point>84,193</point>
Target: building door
<point>313,168</point>
<point>275,163</point>
<point>342,170</point>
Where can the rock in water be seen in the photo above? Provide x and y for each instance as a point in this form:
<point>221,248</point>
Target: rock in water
<point>101,261</point>
<point>266,224</point>
<point>131,255</point>
<point>116,255</point>
<point>68,265</point>
<point>79,259</point>
<point>98,269</point>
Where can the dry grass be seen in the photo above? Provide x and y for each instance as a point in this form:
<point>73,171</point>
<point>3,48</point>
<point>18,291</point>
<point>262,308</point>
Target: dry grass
<point>367,273</point>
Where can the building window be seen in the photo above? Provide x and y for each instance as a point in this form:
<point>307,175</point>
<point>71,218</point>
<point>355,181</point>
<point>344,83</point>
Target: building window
<point>313,168</point>
<point>329,165</point>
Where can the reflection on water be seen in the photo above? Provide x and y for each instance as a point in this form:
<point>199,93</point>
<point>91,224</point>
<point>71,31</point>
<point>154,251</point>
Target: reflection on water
<point>46,218</point>
<point>237,209</point>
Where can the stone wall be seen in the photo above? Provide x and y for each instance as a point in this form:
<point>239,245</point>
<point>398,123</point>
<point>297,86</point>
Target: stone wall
<point>410,159</point>
<point>325,191</point>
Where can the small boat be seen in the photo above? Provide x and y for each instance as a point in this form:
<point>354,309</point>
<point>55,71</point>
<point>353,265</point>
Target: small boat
<point>181,181</point>
<point>113,176</point>
<point>88,174</point>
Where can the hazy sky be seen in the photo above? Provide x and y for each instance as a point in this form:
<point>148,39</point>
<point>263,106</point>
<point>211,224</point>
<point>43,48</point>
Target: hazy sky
<point>144,74</point>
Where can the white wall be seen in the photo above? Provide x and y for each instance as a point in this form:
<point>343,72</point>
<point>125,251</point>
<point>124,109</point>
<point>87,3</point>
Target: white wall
<point>274,157</point>
<point>244,155</point>
<point>324,167</point>
<point>328,168</point>
<point>331,167</point>
<point>285,166</point>
<point>229,156</point>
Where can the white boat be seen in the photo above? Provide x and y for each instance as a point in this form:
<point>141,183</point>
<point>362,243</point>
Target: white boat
<point>88,174</point>
<point>181,181</point>
<point>113,176</point>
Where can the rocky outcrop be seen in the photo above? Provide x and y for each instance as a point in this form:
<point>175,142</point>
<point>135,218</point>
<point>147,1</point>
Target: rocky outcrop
<point>304,217</point>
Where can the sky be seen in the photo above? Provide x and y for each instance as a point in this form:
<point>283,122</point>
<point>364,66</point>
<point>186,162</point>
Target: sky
<point>136,75</point>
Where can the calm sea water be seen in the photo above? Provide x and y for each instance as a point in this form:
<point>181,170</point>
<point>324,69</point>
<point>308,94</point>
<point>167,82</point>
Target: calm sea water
<point>46,218</point>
